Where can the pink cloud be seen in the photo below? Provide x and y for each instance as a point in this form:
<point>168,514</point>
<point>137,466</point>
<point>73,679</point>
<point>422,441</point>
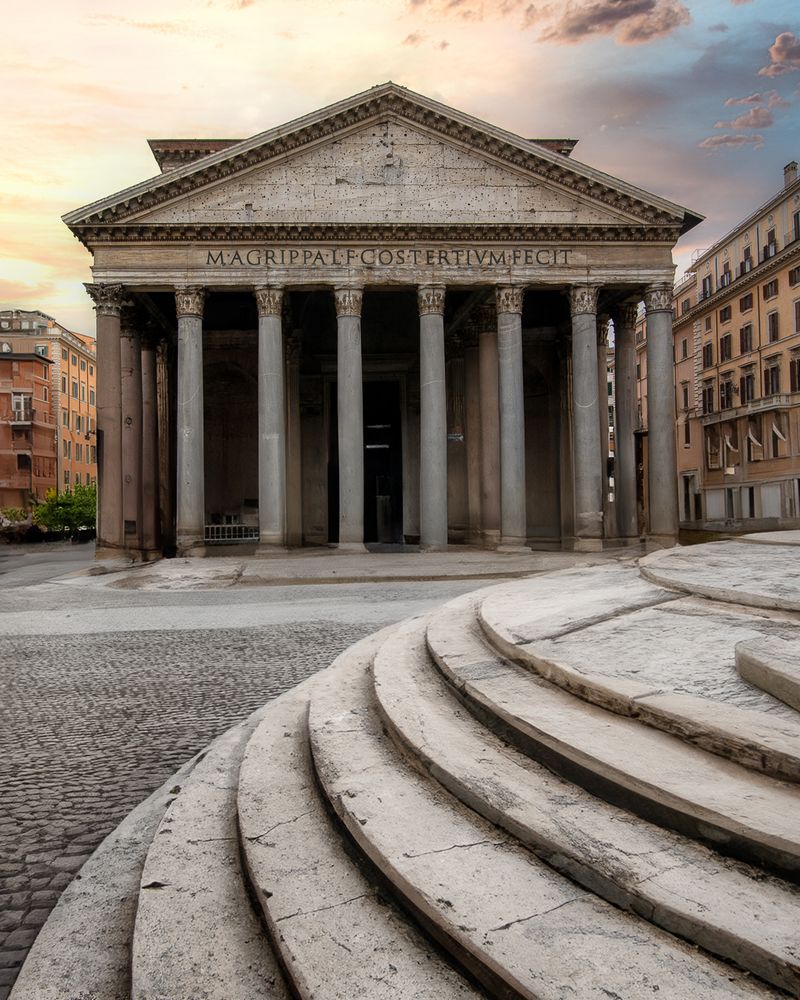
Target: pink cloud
<point>784,55</point>
<point>631,22</point>
<point>414,39</point>
<point>754,118</point>
<point>771,98</point>
<point>721,141</point>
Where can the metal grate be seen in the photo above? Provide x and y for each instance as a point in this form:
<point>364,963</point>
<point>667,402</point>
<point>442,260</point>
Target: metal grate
<point>225,533</point>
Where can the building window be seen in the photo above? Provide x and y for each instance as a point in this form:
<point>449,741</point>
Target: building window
<point>44,393</point>
<point>708,397</point>
<point>794,374</point>
<point>93,453</point>
<point>746,339</point>
<point>755,450</point>
<point>772,378</point>
<point>685,395</point>
<point>725,314</point>
<point>77,421</point>
<point>83,365</point>
<point>66,477</point>
<point>778,439</point>
<point>687,434</point>
<point>725,348</point>
<point>796,225</point>
<point>611,416</point>
<point>746,302</point>
<point>706,287</point>
<point>23,462</point>
<point>770,290</point>
<point>747,262</point>
<point>747,387</point>
<point>712,448</point>
<point>771,247</point>
<point>64,447</point>
<point>686,305</point>
<point>684,348</point>
<point>725,278</point>
<point>708,323</point>
<point>708,355</point>
<point>91,396</point>
<point>74,389</point>
<point>65,418</point>
<point>64,355</point>
<point>78,452</point>
<point>797,316</point>
<point>74,359</point>
<point>83,392</point>
<point>63,383</point>
<point>726,395</point>
<point>772,327</point>
<point>91,369</point>
<point>794,277</point>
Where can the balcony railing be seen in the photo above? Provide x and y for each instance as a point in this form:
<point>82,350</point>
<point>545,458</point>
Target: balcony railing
<point>229,534</point>
<point>23,415</point>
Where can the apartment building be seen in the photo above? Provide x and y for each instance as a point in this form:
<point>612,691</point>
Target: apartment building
<point>73,387</point>
<point>27,438</point>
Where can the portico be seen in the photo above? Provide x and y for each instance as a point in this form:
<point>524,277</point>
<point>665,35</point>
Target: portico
<point>376,324</point>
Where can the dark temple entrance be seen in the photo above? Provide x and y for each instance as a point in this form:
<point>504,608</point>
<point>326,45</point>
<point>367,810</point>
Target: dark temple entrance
<point>383,463</point>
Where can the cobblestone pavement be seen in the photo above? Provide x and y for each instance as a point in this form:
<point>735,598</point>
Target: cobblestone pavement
<point>106,693</point>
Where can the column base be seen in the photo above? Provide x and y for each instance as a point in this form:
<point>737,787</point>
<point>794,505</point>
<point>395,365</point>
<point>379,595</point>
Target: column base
<point>433,547</point>
<point>490,538</point>
<point>588,545</point>
<point>655,542</point>
<point>351,547</point>
<point>190,546</point>
<point>513,546</point>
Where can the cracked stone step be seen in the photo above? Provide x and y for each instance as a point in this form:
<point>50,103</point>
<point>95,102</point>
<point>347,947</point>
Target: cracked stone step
<point>728,908</point>
<point>336,937</point>
<point>196,934</point>
<point>737,811</point>
<point>84,948</point>
<point>520,927</point>
<point>670,665</point>
<point>773,665</point>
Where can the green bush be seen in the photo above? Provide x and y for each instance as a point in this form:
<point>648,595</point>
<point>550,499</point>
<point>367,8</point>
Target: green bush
<point>69,511</point>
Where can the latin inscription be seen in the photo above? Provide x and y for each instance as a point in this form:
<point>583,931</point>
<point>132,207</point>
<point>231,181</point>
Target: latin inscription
<point>387,257</point>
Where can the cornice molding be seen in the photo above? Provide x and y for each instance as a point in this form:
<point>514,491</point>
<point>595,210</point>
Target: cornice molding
<point>553,169</point>
<point>375,232</point>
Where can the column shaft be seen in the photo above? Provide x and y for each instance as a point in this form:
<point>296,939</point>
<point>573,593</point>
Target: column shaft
<point>294,444</point>
<point>108,301</point>
<point>190,513</point>
<point>488,365</point>
<point>271,420</point>
<point>472,431</point>
<point>602,416</point>
<point>433,420</point>
<point>661,448</point>
<point>513,521</point>
<point>625,411</point>
<point>150,513</point>
<point>350,412</point>
<point>586,425</point>
<point>131,397</point>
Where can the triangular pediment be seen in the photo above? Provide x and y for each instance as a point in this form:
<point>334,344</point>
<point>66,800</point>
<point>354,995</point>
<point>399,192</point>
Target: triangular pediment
<point>383,157</point>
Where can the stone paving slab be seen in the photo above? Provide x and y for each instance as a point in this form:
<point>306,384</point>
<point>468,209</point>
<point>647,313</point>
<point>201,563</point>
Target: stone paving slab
<point>739,572</point>
<point>520,927</point>
<point>728,908</point>
<point>773,664</point>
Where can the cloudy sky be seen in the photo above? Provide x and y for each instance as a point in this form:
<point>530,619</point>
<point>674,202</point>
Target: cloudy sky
<point>697,100</point>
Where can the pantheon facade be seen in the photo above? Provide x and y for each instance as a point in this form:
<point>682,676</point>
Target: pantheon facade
<point>382,322</point>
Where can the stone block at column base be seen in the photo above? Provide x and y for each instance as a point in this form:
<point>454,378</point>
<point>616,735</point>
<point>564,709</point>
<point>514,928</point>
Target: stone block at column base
<point>190,545</point>
<point>110,553</point>
<point>490,538</point>
<point>350,547</point>
<point>433,547</point>
<point>512,545</point>
<point>655,542</point>
<point>588,545</point>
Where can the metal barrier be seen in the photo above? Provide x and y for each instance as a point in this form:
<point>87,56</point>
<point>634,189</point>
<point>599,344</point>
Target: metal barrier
<point>230,533</point>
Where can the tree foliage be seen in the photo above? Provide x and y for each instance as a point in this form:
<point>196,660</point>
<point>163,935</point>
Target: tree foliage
<point>69,511</point>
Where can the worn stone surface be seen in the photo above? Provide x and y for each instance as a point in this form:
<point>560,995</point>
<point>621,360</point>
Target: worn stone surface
<point>316,902</point>
<point>516,923</point>
<point>773,665</point>
<point>196,934</point>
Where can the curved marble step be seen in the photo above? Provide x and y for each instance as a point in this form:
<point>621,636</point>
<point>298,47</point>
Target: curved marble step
<point>725,907</point>
<point>601,660</point>
<point>196,933</point>
<point>335,936</point>
<point>772,665</point>
<point>639,768</point>
<point>84,948</point>
<point>517,925</point>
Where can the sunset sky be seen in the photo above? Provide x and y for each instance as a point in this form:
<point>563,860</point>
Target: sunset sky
<point>695,101</point>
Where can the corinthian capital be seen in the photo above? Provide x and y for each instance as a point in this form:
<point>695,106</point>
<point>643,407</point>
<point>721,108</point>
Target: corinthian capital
<point>108,299</point>
<point>189,301</point>
<point>625,315</point>
<point>269,300</point>
<point>583,299</point>
<point>509,298</point>
<point>658,298</point>
<point>431,300</point>
<point>348,301</point>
